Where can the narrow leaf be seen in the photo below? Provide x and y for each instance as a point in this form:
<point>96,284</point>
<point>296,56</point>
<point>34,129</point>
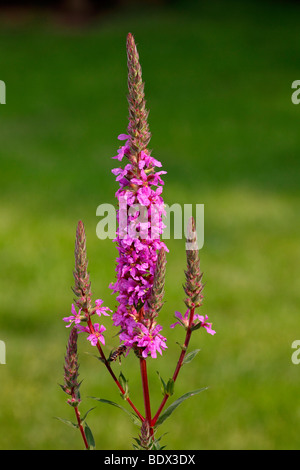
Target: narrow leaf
<point>137,440</point>
<point>163,383</point>
<point>124,384</point>
<point>84,417</point>
<point>122,380</point>
<point>175,404</point>
<point>133,417</point>
<point>196,326</point>
<point>190,356</point>
<point>66,421</point>
<point>89,437</point>
<point>170,387</point>
<point>95,355</point>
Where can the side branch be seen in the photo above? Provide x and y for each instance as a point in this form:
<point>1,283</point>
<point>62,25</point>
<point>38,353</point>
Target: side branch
<point>107,365</point>
<point>178,366</point>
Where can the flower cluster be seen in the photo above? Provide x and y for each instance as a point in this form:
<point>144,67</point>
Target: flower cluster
<point>138,239</point>
<point>77,317</point>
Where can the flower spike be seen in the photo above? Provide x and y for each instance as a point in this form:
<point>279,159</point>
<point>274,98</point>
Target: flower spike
<point>138,127</point>
<point>82,288</point>
<point>193,286</point>
<point>71,384</point>
<point>139,226</point>
<point>155,301</point>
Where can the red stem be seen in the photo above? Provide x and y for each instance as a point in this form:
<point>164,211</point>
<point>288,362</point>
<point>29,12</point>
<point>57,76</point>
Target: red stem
<point>146,394</point>
<point>81,427</point>
<point>107,365</point>
<point>178,366</point>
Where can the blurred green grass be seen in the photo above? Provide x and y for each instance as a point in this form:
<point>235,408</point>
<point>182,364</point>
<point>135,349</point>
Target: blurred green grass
<point>218,84</point>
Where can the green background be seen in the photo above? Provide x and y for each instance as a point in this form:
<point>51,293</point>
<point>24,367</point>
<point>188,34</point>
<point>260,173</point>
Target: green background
<point>218,83</point>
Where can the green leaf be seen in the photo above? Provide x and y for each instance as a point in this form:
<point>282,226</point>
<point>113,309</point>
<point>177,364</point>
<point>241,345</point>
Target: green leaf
<point>122,380</point>
<point>66,421</point>
<point>124,384</point>
<point>196,326</point>
<point>167,388</point>
<point>89,437</point>
<point>156,446</point>
<point>175,404</point>
<point>84,417</point>
<point>135,419</point>
<point>137,440</point>
<point>190,356</point>
<point>95,355</point>
<point>170,387</point>
<point>164,385</point>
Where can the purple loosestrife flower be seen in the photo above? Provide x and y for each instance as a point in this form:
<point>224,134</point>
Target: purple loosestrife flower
<point>149,339</point>
<point>96,335</point>
<point>139,221</point>
<point>101,310</point>
<point>76,317</point>
<point>198,321</point>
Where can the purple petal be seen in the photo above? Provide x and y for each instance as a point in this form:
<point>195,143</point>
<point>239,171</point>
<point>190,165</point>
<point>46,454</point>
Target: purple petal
<point>123,137</point>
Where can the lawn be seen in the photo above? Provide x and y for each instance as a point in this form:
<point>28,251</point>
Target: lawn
<point>218,85</point>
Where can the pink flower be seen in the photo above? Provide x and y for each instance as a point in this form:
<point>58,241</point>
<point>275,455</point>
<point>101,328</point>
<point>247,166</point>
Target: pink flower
<point>122,173</point>
<point>184,321</point>
<point>73,318</point>
<point>124,150</point>
<point>147,196</point>
<point>101,310</point>
<point>97,335</point>
<point>204,324</point>
<point>125,197</point>
<point>138,239</point>
<point>147,160</point>
<point>155,178</point>
<point>151,341</point>
<point>123,136</point>
<point>139,336</point>
<point>83,329</point>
